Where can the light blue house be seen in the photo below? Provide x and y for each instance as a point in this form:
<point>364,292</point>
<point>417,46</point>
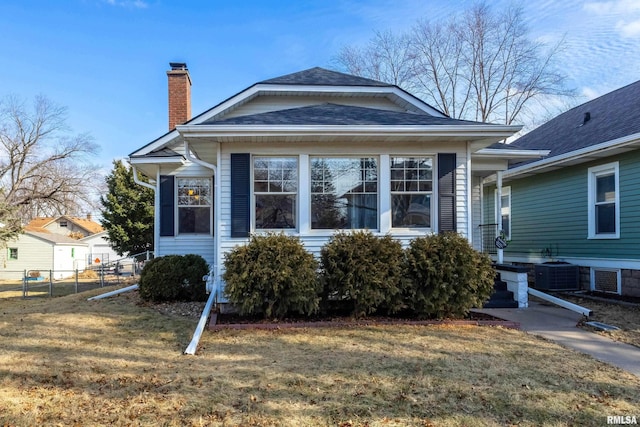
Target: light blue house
<point>308,153</point>
<point>581,203</point>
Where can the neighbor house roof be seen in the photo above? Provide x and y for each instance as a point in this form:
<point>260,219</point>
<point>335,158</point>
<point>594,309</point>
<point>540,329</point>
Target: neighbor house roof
<point>607,118</point>
<point>39,223</point>
<point>54,238</point>
<point>334,114</point>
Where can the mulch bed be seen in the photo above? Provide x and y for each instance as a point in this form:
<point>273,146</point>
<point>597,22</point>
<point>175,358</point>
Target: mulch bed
<point>219,321</point>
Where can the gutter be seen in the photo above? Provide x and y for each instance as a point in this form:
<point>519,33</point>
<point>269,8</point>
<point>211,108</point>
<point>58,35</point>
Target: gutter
<point>555,160</point>
<point>496,131</point>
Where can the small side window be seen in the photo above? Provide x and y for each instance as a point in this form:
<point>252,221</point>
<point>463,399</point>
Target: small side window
<point>13,253</point>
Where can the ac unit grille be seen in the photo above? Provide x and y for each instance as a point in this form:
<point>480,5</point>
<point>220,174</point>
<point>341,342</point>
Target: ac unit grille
<point>605,281</point>
<point>557,277</point>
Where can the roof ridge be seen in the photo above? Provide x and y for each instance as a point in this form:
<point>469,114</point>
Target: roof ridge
<point>318,76</point>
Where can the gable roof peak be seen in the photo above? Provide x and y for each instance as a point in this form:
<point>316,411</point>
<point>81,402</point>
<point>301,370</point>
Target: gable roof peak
<point>318,76</point>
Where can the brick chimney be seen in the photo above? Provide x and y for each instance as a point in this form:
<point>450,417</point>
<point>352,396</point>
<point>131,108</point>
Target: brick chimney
<point>179,94</point>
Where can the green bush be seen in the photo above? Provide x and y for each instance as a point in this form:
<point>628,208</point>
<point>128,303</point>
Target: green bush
<point>174,277</point>
<point>272,275</point>
<point>363,271</point>
<point>447,276</point>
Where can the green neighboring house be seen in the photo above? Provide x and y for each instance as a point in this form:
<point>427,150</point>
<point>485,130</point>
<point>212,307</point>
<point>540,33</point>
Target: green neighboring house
<point>581,203</point>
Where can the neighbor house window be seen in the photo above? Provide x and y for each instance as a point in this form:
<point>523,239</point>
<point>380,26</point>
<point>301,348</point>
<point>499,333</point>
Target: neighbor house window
<point>604,202</point>
<point>194,205</point>
<point>411,191</point>
<point>13,253</point>
<point>505,211</point>
<point>63,223</point>
<point>344,193</point>
<point>275,189</point>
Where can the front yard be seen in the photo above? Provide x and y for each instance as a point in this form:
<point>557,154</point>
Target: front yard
<point>623,315</point>
<point>67,361</point>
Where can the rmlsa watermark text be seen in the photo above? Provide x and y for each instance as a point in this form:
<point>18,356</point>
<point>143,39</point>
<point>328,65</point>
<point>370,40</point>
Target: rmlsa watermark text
<point>622,419</point>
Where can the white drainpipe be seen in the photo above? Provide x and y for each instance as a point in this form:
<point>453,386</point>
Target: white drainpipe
<point>499,213</point>
<point>211,284</point>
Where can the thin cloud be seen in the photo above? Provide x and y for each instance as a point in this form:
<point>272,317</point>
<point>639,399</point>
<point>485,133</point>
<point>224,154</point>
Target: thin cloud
<point>629,29</point>
<point>627,13</point>
<point>135,4</point>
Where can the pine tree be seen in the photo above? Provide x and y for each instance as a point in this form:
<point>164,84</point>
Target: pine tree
<point>127,213</point>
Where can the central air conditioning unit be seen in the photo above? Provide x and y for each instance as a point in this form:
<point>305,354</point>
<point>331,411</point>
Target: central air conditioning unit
<point>557,276</point>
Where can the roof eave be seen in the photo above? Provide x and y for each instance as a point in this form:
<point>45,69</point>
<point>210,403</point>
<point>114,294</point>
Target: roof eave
<point>519,154</point>
<point>584,154</point>
<point>471,131</point>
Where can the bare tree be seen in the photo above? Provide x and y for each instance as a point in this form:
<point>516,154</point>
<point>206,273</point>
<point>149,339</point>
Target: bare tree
<point>476,65</point>
<point>44,170</point>
<point>387,58</point>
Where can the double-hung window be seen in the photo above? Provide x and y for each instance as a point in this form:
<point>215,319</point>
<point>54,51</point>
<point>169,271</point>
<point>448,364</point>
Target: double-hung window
<point>411,191</point>
<point>344,193</point>
<point>194,205</point>
<point>604,202</point>
<point>13,253</point>
<point>275,188</point>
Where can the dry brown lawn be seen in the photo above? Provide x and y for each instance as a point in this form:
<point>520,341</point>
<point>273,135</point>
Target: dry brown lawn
<point>624,316</point>
<point>66,361</point>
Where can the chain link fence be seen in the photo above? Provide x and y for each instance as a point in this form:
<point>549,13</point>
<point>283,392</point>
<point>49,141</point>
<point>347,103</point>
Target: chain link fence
<point>55,283</point>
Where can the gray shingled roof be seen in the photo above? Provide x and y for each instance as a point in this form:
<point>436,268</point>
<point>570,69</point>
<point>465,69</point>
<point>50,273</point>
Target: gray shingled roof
<point>321,77</point>
<point>611,116</point>
<point>335,114</point>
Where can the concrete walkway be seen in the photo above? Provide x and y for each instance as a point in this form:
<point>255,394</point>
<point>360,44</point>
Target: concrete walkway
<point>559,325</point>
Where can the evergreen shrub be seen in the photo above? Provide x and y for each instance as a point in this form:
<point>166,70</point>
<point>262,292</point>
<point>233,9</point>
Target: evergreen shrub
<point>447,276</point>
<point>174,277</point>
<point>273,275</point>
<point>363,271</point>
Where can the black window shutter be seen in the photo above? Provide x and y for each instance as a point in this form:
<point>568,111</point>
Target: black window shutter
<point>167,201</point>
<point>447,192</point>
<point>240,194</point>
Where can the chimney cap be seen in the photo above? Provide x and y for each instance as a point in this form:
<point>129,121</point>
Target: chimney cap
<point>178,65</point>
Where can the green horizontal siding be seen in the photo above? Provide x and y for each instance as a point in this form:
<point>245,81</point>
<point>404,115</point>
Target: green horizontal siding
<point>549,211</point>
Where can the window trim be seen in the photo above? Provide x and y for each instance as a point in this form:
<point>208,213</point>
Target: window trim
<point>592,174</point>
<point>506,191</point>
<point>177,205</point>
<point>328,231</point>
<point>10,254</point>
<point>253,193</point>
<point>432,193</point>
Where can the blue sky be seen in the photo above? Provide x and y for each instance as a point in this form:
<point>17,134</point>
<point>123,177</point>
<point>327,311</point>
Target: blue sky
<point>106,60</point>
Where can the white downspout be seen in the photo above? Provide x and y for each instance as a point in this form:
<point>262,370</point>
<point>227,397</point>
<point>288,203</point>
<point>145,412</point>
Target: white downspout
<point>137,180</point>
<point>469,196</point>
<point>216,208</point>
<point>499,211</point>
<point>193,345</point>
<point>156,204</point>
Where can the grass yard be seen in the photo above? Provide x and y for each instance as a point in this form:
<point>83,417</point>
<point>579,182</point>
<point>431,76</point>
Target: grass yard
<point>67,361</point>
<point>626,317</point>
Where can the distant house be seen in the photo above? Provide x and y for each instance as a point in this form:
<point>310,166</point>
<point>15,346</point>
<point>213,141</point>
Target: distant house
<point>581,203</point>
<point>309,153</point>
<point>66,225</point>
<point>44,254</point>
<point>64,244</point>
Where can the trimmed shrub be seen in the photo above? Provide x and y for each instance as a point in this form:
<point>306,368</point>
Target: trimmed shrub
<point>273,275</point>
<point>174,277</point>
<point>363,271</point>
<point>447,276</point>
